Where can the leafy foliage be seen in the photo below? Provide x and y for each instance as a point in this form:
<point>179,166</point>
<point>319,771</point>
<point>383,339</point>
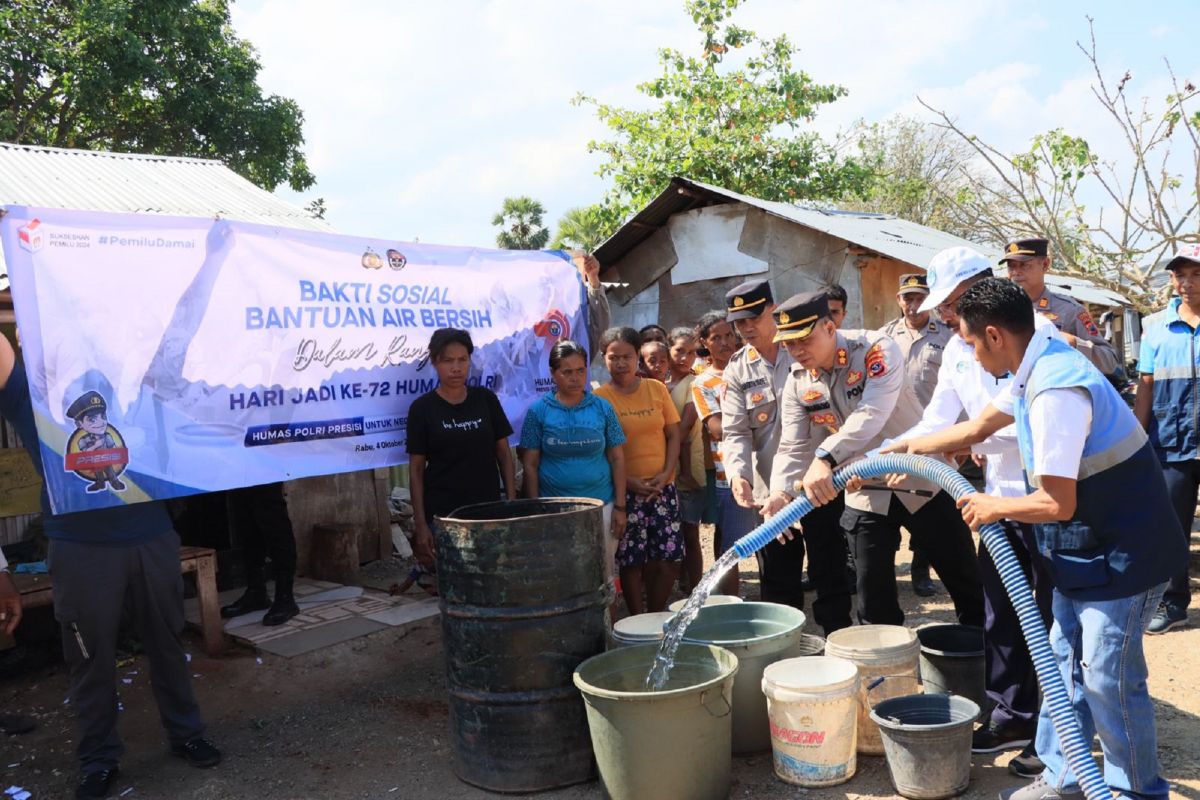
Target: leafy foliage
<point>1111,217</point>
<point>166,77</point>
<point>739,127</point>
<point>520,219</point>
<point>581,228</point>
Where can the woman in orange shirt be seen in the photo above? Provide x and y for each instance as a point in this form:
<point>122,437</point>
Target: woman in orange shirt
<point>652,549</point>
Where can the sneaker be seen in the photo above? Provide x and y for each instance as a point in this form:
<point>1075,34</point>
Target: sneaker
<point>198,752</point>
<point>1026,764</point>
<point>96,783</point>
<point>1168,616</point>
<point>993,738</point>
<point>1039,790</point>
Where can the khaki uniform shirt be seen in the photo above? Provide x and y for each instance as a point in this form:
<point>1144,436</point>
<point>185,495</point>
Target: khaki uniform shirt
<point>1071,317</point>
<point>848,411</point>
<point>922,353</point>
<point>750,416</point>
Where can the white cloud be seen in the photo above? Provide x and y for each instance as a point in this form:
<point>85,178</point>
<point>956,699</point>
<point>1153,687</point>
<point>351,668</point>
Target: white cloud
<point>420,118</point>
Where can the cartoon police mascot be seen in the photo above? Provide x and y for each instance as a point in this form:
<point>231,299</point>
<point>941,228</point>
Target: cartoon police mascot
<point>93,433</point>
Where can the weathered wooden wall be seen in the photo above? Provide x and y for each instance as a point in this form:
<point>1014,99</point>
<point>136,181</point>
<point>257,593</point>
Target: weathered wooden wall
<point>797,259</point>
<point>354,498</point>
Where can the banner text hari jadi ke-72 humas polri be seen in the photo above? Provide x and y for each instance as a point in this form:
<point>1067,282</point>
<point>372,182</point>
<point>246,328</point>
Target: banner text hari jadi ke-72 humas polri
<point>170,355</point>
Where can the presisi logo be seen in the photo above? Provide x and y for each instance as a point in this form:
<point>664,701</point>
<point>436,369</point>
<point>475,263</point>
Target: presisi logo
<point>30,236</point>
<point>554,328</point>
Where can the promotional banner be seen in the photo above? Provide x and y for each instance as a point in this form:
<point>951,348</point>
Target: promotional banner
<point>169,355</point>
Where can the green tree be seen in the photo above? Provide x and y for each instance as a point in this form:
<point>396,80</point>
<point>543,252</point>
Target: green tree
<point>520,220</point>
<point>740,127</point>
<point>167,77</point>
<point>581,228</point>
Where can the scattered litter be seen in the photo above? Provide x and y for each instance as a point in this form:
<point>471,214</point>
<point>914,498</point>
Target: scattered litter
<point>132,672</point>
<point>120,706</point>
<point>10,766</point>
<point>66,701</point>
<point>127,681</point>
<point>188,656</point>
<point>195,674</point>
<point>394,788</point>
<point>258,660</point>
<point>127,791</point>
<point>17,793</point>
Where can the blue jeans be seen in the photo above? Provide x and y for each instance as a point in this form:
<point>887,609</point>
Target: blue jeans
<point>1098,646</point>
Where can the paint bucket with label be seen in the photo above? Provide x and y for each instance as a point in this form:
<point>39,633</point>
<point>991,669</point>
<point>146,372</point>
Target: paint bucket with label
<point>812,703</point>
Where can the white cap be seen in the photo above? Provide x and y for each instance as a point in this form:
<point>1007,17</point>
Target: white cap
<point>948,269</point>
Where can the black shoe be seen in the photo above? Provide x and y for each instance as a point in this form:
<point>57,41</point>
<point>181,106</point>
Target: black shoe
<point>992,738</point>
<point>283,609</point>
<point>92,488</point>
<point>924,588</point>
<point>116,485</point>
<point>96,783</point>
<point>1026,764</point>
<point>14,724</point>
<point>198,752</point>
<point>252,600</point>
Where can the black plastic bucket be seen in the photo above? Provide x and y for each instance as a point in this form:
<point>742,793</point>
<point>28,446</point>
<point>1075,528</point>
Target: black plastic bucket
<point>952,661</point>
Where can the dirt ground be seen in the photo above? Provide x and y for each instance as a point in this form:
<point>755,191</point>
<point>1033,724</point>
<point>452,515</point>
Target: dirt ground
<point>368,719</point>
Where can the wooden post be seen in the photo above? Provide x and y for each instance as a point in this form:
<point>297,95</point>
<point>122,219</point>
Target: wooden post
<point>333,555</point>
<point>210,604</point>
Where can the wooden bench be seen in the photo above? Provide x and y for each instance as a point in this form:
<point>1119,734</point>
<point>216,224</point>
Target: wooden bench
<point>36,591</point>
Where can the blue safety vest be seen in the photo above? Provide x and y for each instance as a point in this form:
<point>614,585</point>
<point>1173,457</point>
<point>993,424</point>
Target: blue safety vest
<point>1170,352</point>
<point>1124,537</point>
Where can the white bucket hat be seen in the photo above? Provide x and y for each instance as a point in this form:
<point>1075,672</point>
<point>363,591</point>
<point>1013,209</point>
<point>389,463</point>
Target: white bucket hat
<point>948,269</point>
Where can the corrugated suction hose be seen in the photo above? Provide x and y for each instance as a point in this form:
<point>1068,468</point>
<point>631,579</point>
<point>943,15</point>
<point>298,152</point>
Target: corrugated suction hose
<point>1078,751</point>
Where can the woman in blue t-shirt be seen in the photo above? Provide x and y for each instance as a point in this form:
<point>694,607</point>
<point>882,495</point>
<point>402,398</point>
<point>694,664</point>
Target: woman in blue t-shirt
<point>572,444</point>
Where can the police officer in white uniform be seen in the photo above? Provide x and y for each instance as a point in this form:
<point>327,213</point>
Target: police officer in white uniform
<point>1028,262</point>
<point>922,339</point>
<point>754,378</point>
<point>845,395</point>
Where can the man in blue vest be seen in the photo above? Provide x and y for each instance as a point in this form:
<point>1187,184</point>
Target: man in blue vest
<point>1084,456</point>
<point>1168,407</point>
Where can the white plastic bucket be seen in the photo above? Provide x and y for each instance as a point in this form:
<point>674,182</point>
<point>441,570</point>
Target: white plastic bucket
<point>812,703</point>
<point>712,600</point>
<point>880,651</point>
<point>639,629</point>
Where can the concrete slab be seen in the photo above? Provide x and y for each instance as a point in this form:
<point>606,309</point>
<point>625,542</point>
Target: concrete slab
<point>306,641</point>
<point>407,612</point>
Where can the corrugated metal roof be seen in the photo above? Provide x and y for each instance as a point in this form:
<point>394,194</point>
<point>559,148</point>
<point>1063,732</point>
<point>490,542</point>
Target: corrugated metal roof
<point>885,234</point>
<point>92,180</point>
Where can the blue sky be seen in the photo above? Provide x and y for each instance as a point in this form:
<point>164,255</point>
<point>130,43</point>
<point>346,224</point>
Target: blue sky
<point>422,117</point>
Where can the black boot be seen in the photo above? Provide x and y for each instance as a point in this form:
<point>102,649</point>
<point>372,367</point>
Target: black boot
<point>253,599</point>
<point>284,607</point>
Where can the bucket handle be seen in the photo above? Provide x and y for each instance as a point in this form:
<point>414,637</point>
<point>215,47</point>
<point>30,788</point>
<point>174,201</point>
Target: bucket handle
<point>721,694</point>
<point>919,681</point>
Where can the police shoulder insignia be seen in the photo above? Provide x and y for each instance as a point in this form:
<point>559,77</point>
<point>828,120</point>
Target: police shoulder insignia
<point>842,358</point>
<point>751,354</point>
<point>854,377</point>
<point>1043,303</point>
<point>1086,319</point>
<point>876,363</point>
<point>811,395</point>
<point>814,374</point>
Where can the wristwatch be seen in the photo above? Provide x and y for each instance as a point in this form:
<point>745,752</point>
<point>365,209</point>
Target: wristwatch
<point>827,457</point>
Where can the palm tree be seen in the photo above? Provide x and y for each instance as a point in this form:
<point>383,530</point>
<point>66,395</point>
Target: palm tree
<point>581,229</point>
<point>520,219</point>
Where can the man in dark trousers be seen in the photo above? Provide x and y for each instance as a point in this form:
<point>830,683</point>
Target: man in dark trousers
<point>260,517</point>
<point>98,560</point>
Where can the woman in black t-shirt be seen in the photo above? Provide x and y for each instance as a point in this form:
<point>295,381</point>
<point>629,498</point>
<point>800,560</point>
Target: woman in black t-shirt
<point>457,441</point>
